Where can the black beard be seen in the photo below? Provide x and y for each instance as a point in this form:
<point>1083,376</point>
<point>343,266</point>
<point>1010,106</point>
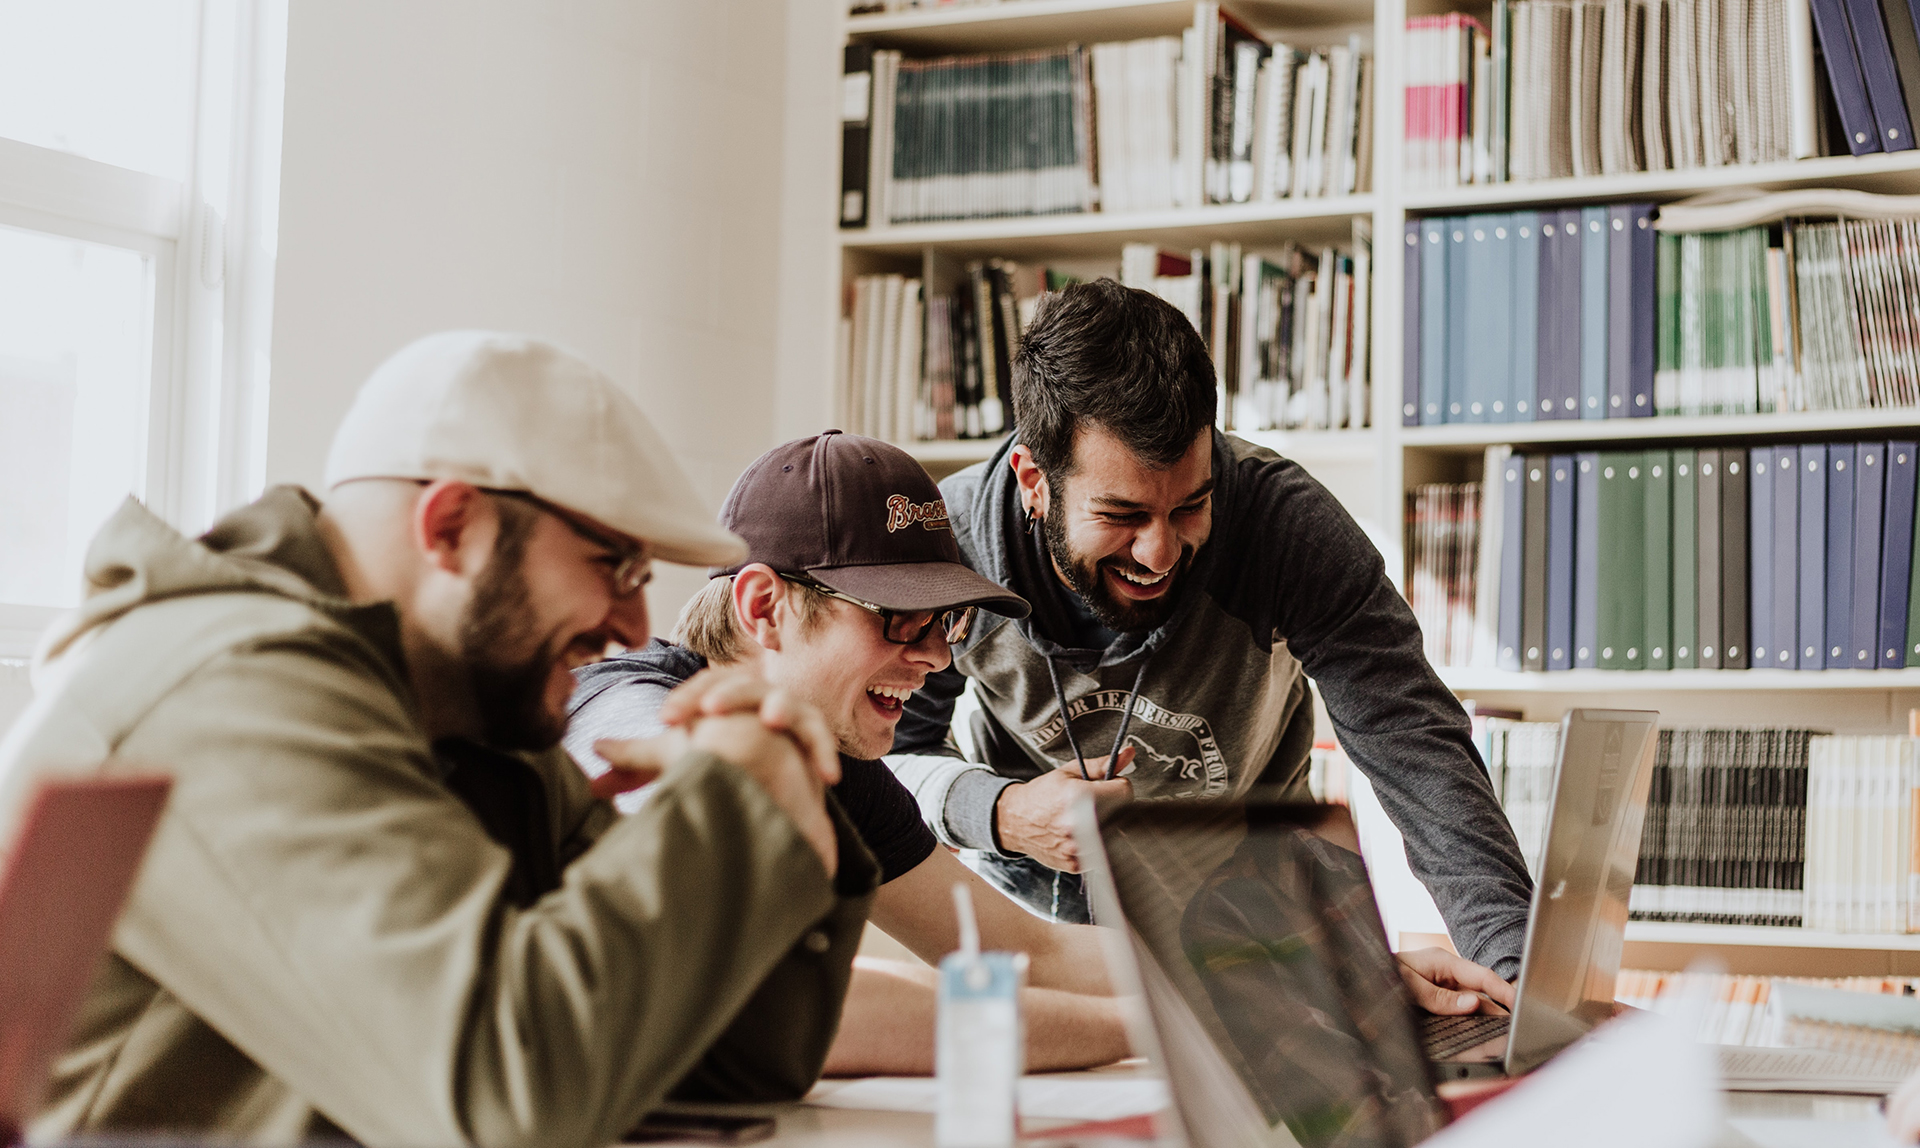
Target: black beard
<point>1111,611</point>
<point>510,697</point>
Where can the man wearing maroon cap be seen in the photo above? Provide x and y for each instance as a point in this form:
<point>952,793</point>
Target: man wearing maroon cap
<point>851,589</point>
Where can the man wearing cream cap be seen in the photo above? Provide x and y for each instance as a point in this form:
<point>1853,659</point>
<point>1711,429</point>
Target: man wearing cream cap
<point>381,902</point>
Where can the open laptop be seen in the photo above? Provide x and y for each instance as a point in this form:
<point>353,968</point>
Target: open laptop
<point>1273,1004</point>
<point>63,881</point>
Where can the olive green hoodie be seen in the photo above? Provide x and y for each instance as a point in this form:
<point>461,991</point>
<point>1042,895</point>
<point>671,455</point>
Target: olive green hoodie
<point>325,939</point>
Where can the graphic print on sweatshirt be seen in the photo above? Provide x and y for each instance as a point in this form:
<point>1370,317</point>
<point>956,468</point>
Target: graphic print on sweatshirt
<point>1175,754</point>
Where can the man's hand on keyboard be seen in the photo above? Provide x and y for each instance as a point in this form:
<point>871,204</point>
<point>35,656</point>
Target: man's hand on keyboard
<point>1452,986</point>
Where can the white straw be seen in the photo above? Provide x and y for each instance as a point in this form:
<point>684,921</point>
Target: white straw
<point>969,926</point>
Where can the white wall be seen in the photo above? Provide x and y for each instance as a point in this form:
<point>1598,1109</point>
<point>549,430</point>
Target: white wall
<point>607,173</point>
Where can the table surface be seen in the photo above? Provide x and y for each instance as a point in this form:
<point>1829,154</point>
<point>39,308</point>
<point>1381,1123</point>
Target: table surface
<point>1765,1120</point>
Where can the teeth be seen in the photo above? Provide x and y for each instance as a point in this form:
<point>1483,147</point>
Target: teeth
<point>897,693</point>
<point>1139,580</point>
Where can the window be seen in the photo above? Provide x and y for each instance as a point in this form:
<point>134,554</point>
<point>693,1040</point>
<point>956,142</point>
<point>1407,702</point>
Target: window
<point>139,164</point>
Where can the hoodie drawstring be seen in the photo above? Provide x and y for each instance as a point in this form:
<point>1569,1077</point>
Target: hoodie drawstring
<point>1119,743</point>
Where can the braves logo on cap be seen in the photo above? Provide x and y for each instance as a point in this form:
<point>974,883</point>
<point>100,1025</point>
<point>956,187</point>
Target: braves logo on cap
<point>902,512</point>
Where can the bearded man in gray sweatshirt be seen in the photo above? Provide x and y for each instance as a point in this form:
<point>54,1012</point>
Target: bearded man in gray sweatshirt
<point>1185,587</point>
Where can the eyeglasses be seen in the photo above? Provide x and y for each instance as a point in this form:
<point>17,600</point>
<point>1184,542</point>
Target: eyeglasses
<point>905,627</point>
<point>632,568</point>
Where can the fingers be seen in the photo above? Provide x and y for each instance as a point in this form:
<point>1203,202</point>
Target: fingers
<point>617,781</point>
<point>712,692</point>
<point>1433,998</point>
<point>1903,1111</point>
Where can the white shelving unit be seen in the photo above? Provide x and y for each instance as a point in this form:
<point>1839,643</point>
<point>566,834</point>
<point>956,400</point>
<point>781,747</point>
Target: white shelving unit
<point>1370,470</point>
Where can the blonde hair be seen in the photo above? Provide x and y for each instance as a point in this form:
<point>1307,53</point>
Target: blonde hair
<point>707,625</point>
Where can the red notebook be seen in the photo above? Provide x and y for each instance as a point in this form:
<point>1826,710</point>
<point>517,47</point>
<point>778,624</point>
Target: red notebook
<point>62,884</point>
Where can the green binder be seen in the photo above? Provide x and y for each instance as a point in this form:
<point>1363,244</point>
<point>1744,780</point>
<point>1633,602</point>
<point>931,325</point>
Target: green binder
<point>1620,623</point>
<point>1685,566</point>
<point>1657,474</point>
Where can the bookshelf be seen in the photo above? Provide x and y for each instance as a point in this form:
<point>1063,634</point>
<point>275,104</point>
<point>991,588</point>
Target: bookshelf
<point>1372,469</point>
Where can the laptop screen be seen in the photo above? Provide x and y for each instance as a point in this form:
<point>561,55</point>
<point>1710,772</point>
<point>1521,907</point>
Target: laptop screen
<point>1263,963</point>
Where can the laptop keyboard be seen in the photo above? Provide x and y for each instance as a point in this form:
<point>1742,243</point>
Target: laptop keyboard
<point>1444,1036</point>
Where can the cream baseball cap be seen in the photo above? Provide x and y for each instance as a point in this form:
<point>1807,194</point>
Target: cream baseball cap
<point>512,412</point>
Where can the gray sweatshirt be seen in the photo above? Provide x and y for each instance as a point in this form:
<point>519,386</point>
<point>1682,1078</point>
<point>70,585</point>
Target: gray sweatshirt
<point>1287,588</point>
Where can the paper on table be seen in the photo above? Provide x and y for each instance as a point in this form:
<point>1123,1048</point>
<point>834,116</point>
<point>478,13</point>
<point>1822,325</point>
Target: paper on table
<point>1806,1070</point>
<point>1574,1102</point>
<point>1062,1097</point>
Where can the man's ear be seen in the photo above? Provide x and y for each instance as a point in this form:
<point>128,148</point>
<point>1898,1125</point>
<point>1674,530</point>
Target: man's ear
<point>1035,495</point>
<point>757,595</point>
<point>454,524</point>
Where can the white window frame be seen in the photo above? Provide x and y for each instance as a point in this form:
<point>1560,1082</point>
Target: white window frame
<point>212,239</point>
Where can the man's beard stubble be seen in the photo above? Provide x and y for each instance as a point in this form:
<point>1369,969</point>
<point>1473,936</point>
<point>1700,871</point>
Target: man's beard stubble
<point>510,697</point>
<point>1084,578</point>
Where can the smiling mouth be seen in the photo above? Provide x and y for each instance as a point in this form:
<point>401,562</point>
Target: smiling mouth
<point>1140,585</point>
<point>889,700</point>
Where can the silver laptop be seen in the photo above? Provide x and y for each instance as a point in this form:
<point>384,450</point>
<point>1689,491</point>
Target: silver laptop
<point>1578,924</point>
<point>1272,1002</point>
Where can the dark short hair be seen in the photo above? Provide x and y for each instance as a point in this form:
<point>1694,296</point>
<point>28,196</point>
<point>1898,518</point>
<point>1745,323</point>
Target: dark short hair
<point>1118,357</point>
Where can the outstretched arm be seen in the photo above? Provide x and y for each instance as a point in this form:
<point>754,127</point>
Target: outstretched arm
<point>916,909</point>
<point>887,1028</point>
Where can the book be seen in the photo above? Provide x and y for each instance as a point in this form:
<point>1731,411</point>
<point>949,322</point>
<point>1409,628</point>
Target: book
<point>1708,555</point>
<point>1586,560</point>
<point>1813,557</point>
<point>1734,553</point>
<point>1869,496</point>
<point>1410,344</point>
<point>1849,86</point>
<point>1839,555</point>
<point>1443,524</point>
<point>1511,626</point>
<point>1594,299</point>
<point>1686,560</point>
<point>1620,616</point>
<point>1523,371</point>
<point>856,131</point>
<point>1533,599</point>
<point>1490,563</point>
<point>1896,555</point>
<point>1785,558</point>
<point>1560,561</point>
<point>1657,555</point>
<point>1760,548</point>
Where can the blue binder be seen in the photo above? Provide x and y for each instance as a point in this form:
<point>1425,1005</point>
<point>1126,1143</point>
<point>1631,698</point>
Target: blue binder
<point>1840,495</point>
<point>1896,555</point>
<point>1760,521</point>
<point>1586,560</point>
<point>1410,346</point>
<point>1813,557</point>
<point>1644,241</point>
<point>1524,371</point>
<point>1458,306</point>
<point>1786,557</point>
<point>1621,286</point>
<point>1512,554</point>
<point>1433,322</point>
<point>1593,314</point>
<point>1560,557</point>
<point>1869,494</point>
<point>1882,78</point>
<point>1845,81</point>
<point>1486,352</point>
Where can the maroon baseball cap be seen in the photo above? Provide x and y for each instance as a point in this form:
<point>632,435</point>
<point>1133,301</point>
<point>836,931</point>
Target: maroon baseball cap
<point>859,516</point>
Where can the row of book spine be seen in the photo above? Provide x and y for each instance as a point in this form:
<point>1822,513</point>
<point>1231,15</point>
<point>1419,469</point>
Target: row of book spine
<point>1585,88</point>
<point>1751,826</point>
<point>1786,557</point>
<point>1215,115</point>
<point>1288,333</point>
<point>1589,313</point>
<point>1443,546</point>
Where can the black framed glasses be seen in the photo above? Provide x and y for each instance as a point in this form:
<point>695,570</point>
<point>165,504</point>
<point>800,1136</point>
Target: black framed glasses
<point>632,566</point>
<point>904,627</point>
